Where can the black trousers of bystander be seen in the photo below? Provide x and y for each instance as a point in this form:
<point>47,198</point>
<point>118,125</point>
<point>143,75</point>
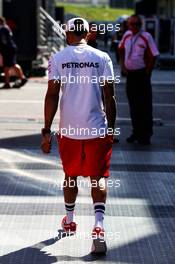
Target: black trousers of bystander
<point>139,93</point>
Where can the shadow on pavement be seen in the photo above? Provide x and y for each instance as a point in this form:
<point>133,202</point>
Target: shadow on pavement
<point>148,182</point>
<point>146,249</point>
<point>34,253</point>
<point>24,176</point>
<point>28,141</point>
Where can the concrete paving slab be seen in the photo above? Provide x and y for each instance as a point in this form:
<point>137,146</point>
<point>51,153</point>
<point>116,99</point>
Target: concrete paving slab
<point>140,209</point>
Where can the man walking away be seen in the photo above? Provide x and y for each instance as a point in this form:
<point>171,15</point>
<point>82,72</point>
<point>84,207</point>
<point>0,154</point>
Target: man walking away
<point>83,149</point>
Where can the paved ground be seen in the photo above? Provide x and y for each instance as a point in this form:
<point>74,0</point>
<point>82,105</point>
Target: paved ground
<point>141,203</point>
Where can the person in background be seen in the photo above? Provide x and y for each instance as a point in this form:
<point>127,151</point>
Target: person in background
<point>106,38</point>
<point>138,53</point>
<point>8,51</point>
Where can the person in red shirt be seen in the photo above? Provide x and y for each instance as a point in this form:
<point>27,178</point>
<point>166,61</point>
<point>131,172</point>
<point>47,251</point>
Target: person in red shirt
<point>138,53</point>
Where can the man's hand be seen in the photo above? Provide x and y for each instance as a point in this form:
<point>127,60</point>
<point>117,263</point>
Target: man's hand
<point>50,108</point>
<point>46,143</point>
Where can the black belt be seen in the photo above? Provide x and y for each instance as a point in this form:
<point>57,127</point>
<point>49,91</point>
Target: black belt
<point>137,71</point>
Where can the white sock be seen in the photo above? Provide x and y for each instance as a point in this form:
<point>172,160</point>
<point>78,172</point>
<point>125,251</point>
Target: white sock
<point>69,212</point>
<point>99,209</point>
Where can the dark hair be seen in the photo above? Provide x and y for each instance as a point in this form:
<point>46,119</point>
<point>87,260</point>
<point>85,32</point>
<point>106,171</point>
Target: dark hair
<point>138,18</point>
<point>92,23</point>
<point>79,29</point>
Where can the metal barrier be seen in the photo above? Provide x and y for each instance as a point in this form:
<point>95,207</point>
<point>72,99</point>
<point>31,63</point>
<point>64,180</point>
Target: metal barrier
<point>51,36</point>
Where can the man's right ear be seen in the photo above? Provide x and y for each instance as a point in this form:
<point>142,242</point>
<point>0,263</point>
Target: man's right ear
<point>87,36</point>
<point>67,38</point>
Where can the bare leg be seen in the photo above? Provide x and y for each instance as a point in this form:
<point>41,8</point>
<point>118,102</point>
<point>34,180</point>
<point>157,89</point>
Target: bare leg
<point>19,72</point>
<point>99,193</point>
<point>98,189</point>
<point>70,189</point>
<point>70,194</point>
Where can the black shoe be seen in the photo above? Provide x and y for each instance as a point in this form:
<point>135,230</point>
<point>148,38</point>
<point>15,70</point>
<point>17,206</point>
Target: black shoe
<point>116,140</point>
<point>6,86</point>
<point>131,139</point>
<point>23,81</point>
<point>144,142</point>
<point>16,84</point>
<point>20,83</point>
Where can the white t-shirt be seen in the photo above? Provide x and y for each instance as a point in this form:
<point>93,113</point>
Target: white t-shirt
<point>81,69</point>
<point>135,46</point>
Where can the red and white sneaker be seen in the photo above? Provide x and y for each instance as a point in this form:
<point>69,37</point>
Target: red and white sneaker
<point>98,244</point>
<point>68,228</point>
